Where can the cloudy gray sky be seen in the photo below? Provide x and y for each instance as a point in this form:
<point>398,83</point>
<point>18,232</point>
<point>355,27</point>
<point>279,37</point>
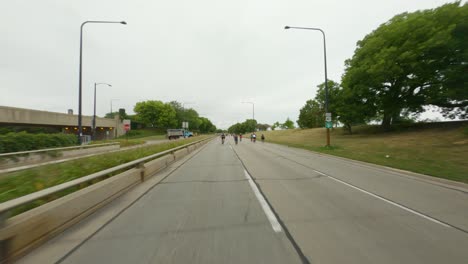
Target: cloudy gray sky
<point>212,53</point>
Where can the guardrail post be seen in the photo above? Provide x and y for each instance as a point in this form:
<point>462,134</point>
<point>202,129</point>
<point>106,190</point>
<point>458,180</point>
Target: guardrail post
<point>4,241</point>
<point>141,166</point>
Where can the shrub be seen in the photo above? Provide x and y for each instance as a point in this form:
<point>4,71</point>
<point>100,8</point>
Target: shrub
<point>23,141</point>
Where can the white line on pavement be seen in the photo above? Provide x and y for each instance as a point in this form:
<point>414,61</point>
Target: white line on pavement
<point>266,208</point>
<point>385,200</point>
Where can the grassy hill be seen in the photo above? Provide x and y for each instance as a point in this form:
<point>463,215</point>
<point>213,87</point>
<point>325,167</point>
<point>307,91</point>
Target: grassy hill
<point>436,149</point>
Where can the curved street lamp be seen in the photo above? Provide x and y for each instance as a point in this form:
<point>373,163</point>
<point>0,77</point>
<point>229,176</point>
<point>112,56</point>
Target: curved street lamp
<point>80,128</point>
<point>94,115</point>
<point>326,79</point>
<point>253,108</point>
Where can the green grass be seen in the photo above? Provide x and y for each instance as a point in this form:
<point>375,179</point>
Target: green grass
<point>142,133</point>
<point>17,184</point>
<point>135,137</point>
<point>436,150</point>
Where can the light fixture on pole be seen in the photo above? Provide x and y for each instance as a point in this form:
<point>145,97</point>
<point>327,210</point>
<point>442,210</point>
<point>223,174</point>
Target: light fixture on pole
<point>80,128</point>
<point>111,104</point>
<point>328,115</point>
<point>253,108</point>
<point>94,115</point>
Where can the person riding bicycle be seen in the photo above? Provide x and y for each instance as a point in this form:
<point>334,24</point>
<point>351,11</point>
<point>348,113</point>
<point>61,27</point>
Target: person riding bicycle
<point>222,138</point>
<point>263,138</point>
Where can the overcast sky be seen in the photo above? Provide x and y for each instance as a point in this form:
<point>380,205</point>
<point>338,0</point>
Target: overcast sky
<point>214,54</point>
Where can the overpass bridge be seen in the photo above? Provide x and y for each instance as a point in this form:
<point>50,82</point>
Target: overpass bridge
<point>67,123</point>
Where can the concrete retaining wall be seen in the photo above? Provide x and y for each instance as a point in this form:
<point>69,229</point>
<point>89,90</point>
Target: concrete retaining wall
<point>36,226</point>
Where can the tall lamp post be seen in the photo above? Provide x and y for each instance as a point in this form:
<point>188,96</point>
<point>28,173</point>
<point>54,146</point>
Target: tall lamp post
<point>111,104</point>
<point>253,109</point>
<point>326,79</point>
<point>80,128</point>
<point>94,115</point>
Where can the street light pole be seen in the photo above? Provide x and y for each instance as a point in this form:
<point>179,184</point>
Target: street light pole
<point>253,109</point>
<point>94,115</point>
<point>111,104</point>
<point>80,129</point>
<point>325,63</point>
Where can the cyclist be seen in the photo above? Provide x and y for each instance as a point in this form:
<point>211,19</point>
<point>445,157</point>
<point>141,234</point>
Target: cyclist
<point>235,138</point>
<point>222,138</point>
<point>263,138</point>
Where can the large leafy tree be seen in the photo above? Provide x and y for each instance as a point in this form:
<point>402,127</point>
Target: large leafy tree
<point>311,115</point>
<point>247,126</point>
<point>413,60</point>
<point>206,126</point>
<point>288,124</point>
<point>156,114</point>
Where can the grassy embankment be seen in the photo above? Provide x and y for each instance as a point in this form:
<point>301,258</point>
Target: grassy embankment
<point>436,149</point>
<point>136,137</point>
<point>17,184</point>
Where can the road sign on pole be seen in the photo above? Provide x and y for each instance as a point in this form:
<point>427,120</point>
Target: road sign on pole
<point>328,124</point>
<point>126,124</point>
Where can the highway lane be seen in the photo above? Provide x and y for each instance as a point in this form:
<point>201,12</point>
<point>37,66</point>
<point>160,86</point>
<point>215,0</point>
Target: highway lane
<point>205,212</point>
<point>344,212</point>
<point>330,210</point>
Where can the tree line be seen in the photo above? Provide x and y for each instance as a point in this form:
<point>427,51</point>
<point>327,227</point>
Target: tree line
<point>412,61</point>
<point>158,114</point>
<point>251,125</point>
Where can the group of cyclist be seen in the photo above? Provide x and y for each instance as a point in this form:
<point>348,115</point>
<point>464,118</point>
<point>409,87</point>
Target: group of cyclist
<point>238,137</point>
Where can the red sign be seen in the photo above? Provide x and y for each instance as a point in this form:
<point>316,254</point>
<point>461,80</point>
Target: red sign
<point>126,127</point>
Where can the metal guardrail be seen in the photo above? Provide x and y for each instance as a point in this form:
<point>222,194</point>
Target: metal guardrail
<point>54,149</point>
<point>11,204</point>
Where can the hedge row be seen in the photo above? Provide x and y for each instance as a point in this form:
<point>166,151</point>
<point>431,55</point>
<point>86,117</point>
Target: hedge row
<point>23,141</point>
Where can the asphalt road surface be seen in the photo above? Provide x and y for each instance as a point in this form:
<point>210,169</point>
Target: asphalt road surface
<point>265,203</point>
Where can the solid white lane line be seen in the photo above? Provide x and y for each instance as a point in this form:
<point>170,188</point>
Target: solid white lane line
<point>386,200</point>
<point>266,208</point>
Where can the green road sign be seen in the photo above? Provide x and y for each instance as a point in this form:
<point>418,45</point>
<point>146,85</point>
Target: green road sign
<point>328,124</point>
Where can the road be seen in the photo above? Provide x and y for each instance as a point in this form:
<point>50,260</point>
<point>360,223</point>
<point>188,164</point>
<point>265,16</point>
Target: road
<point>265,203</point>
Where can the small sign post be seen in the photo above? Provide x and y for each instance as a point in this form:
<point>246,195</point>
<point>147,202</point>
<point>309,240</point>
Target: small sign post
<point>328,120</point>
<point>126,126</point>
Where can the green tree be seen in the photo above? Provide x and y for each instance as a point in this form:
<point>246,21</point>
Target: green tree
<point>415,59</point>
<point>275,125</point>
<point>206,126</point>
<point>156,114</point>
<point>288,124</point>
<point>311,115</point>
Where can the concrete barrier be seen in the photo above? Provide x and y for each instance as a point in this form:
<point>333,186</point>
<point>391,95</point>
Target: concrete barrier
<point>35,226</point>
<point>156,165</point>
<point>191,148</point>
<point>32,228</point>
<point>180,153</point>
